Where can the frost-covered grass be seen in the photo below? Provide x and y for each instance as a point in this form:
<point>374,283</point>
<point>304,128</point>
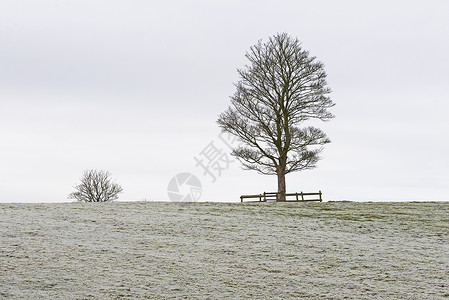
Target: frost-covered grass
<point>218,251</point>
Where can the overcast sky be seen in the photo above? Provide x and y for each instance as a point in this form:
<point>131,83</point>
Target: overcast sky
<point>135,88</point>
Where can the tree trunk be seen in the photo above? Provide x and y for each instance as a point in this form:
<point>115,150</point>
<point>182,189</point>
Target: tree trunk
<point>281,183</point>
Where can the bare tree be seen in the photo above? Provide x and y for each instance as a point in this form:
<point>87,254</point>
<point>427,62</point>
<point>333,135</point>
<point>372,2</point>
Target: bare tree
<point>96,186</point>
<point>280,89</point>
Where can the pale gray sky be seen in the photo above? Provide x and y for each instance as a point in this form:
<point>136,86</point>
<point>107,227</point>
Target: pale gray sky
<point>135,87</point>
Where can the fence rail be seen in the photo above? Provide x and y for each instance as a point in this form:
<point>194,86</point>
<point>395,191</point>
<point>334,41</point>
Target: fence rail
<point>274,196</point>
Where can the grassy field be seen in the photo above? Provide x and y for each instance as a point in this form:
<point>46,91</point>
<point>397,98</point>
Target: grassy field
<point>156,250</point>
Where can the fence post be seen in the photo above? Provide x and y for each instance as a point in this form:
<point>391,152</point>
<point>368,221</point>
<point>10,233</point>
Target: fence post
<point>302,196</point>
<point>321,200</point>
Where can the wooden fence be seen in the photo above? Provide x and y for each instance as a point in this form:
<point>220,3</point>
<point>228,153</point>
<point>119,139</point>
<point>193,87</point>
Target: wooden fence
<point>273,196</point>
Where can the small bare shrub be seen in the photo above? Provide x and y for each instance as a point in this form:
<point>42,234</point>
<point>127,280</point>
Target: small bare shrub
<point>96,186</point>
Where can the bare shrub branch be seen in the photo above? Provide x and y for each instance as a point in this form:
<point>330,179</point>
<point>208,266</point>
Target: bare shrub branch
<point>96,186</point>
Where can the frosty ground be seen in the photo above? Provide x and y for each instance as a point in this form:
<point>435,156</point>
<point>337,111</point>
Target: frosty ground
<point>157,250</point>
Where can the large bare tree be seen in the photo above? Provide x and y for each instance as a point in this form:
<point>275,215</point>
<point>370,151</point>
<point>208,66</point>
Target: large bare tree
<point>281,88</point>
<point>96,186</point>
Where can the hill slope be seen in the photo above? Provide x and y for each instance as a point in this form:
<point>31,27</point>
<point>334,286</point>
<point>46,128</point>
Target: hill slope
<point>218,250</point>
